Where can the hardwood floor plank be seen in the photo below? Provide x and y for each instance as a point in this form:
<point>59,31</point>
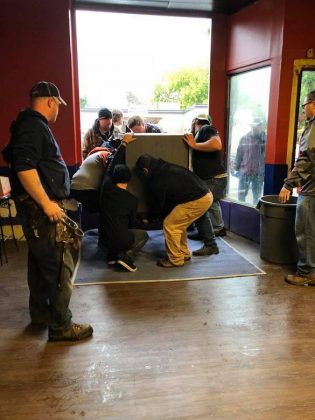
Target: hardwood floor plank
<point>240,348</point>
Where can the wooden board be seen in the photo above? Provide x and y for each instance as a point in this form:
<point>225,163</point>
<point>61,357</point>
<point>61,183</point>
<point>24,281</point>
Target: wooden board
<point>169,147</point>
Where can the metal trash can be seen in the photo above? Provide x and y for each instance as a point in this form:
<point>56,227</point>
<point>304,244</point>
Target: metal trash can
<point>277,234</point>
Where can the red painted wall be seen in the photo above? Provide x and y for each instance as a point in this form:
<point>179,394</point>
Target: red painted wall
<point>255,40</point>
<point>249,38</point>
<point>298,36</point>
<point>218,77</point>
<point>275,33</point>
<point>35,44</point>
<point>255,34</point>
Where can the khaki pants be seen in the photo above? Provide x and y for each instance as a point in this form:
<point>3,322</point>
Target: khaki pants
<point>175,227</point>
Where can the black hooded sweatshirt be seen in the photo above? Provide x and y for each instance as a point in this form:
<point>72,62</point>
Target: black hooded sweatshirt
<point>169,185</point>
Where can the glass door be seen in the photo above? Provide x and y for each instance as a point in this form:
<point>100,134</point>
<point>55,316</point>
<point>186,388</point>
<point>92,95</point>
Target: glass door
<point>248,113</point>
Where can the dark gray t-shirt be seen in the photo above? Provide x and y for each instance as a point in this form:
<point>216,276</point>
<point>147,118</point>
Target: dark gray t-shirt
<point>33,146</point>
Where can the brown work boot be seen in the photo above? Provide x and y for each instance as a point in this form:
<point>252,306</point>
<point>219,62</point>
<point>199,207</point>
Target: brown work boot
<point>298,280</point>
<point>74,332</point>
<point>166,263</point>
<point>206,250</point>
<point>220,232</point>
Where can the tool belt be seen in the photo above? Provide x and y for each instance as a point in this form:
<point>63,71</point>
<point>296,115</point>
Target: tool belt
<point>67,230</point>
<point>68,233</point>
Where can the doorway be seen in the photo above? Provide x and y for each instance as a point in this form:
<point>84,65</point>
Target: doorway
<point>153,66</point>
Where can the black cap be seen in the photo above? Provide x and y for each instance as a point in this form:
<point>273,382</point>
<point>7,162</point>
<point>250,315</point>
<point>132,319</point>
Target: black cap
<point>121,174</point>
<point>46,89</point>
<point>104,113</point>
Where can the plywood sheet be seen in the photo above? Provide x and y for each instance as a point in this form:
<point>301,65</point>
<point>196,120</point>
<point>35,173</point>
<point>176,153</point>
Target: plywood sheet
<point>170,147</point>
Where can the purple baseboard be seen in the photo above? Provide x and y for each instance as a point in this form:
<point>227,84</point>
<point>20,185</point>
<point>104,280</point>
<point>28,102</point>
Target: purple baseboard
<point>242,220</point>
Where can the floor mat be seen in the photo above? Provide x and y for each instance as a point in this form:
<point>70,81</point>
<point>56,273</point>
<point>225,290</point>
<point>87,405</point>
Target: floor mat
<point>93,268</point>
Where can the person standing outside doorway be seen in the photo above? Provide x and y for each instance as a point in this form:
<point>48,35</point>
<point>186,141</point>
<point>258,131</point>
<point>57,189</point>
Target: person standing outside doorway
<point>137,125</point>
<point>249,164</point>
<point>118,123</point>
<point>99,133</point>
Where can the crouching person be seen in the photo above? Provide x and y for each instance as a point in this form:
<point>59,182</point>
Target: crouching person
<point>118,208</point>
<point>180,197</point>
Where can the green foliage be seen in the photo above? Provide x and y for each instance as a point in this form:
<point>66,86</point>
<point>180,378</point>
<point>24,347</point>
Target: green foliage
<point>188,86</point>
<point>132,98</point>
<point>307,83</point>
<point>83,102</point>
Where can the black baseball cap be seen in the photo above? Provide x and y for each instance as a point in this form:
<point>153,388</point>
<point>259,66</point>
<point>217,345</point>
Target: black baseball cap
<point>121,174</point>
<point>46,89</point>
<point>104,113</point>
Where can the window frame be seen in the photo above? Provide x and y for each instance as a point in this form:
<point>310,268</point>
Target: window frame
<point>298,67</point>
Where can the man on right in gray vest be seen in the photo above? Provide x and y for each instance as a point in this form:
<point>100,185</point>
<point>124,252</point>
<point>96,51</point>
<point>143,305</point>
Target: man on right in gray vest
<point>303,176</point>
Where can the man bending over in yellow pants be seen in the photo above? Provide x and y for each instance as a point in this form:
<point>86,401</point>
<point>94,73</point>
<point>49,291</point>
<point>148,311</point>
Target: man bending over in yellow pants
<point>180,197</point>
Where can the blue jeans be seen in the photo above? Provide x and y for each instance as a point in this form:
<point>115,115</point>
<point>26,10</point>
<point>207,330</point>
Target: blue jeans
<point>218,188</point>
<point>247,181</point>
<point>212,220</point>
<point>305,234</point>
<point>205,229</point>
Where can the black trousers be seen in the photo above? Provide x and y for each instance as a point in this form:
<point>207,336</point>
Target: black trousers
<point>90,199</point>
<point>50,268</point>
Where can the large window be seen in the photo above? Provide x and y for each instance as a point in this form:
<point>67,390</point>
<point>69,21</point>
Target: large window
<point>153,66</point>
<point>249,99</point>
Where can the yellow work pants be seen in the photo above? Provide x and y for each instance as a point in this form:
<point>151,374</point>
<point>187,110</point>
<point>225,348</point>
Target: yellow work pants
<point>175,227</point>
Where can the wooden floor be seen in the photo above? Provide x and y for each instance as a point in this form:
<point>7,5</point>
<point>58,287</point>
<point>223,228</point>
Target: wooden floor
<point>239,348</point>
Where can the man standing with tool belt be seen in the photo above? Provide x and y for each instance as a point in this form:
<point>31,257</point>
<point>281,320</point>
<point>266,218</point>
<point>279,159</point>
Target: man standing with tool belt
<point>40,181</point>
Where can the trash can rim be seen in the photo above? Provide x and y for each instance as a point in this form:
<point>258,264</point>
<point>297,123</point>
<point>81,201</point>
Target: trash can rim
<point>262,199</point>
